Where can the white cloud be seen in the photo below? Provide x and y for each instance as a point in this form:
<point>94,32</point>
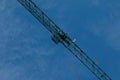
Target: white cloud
<point>95,2</point>
<point>108,27</point>
<point>48,4</point>
<point>2,5</point>
<point>110,33</point>
<point>18,43</point>
<point>113,37</point>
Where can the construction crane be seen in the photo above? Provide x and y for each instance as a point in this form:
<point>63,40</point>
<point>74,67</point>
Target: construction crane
<point>59,36</point>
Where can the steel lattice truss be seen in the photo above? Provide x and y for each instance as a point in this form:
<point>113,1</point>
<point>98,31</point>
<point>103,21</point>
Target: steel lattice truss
<point>61,37</point>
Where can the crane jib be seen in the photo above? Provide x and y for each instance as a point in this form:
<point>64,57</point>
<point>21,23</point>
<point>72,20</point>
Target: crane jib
<point>61,37</point>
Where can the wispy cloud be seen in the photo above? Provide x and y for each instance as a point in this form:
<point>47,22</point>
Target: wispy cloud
<point>108,27</point>
<point>2,4</point>
<point>20,51</point>
<point>113,37</point>
<point>95,2</point>
<point>48,4</point>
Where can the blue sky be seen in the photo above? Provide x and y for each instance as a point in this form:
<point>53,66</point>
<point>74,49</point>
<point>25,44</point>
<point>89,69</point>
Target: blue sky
<point>26,49</point>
